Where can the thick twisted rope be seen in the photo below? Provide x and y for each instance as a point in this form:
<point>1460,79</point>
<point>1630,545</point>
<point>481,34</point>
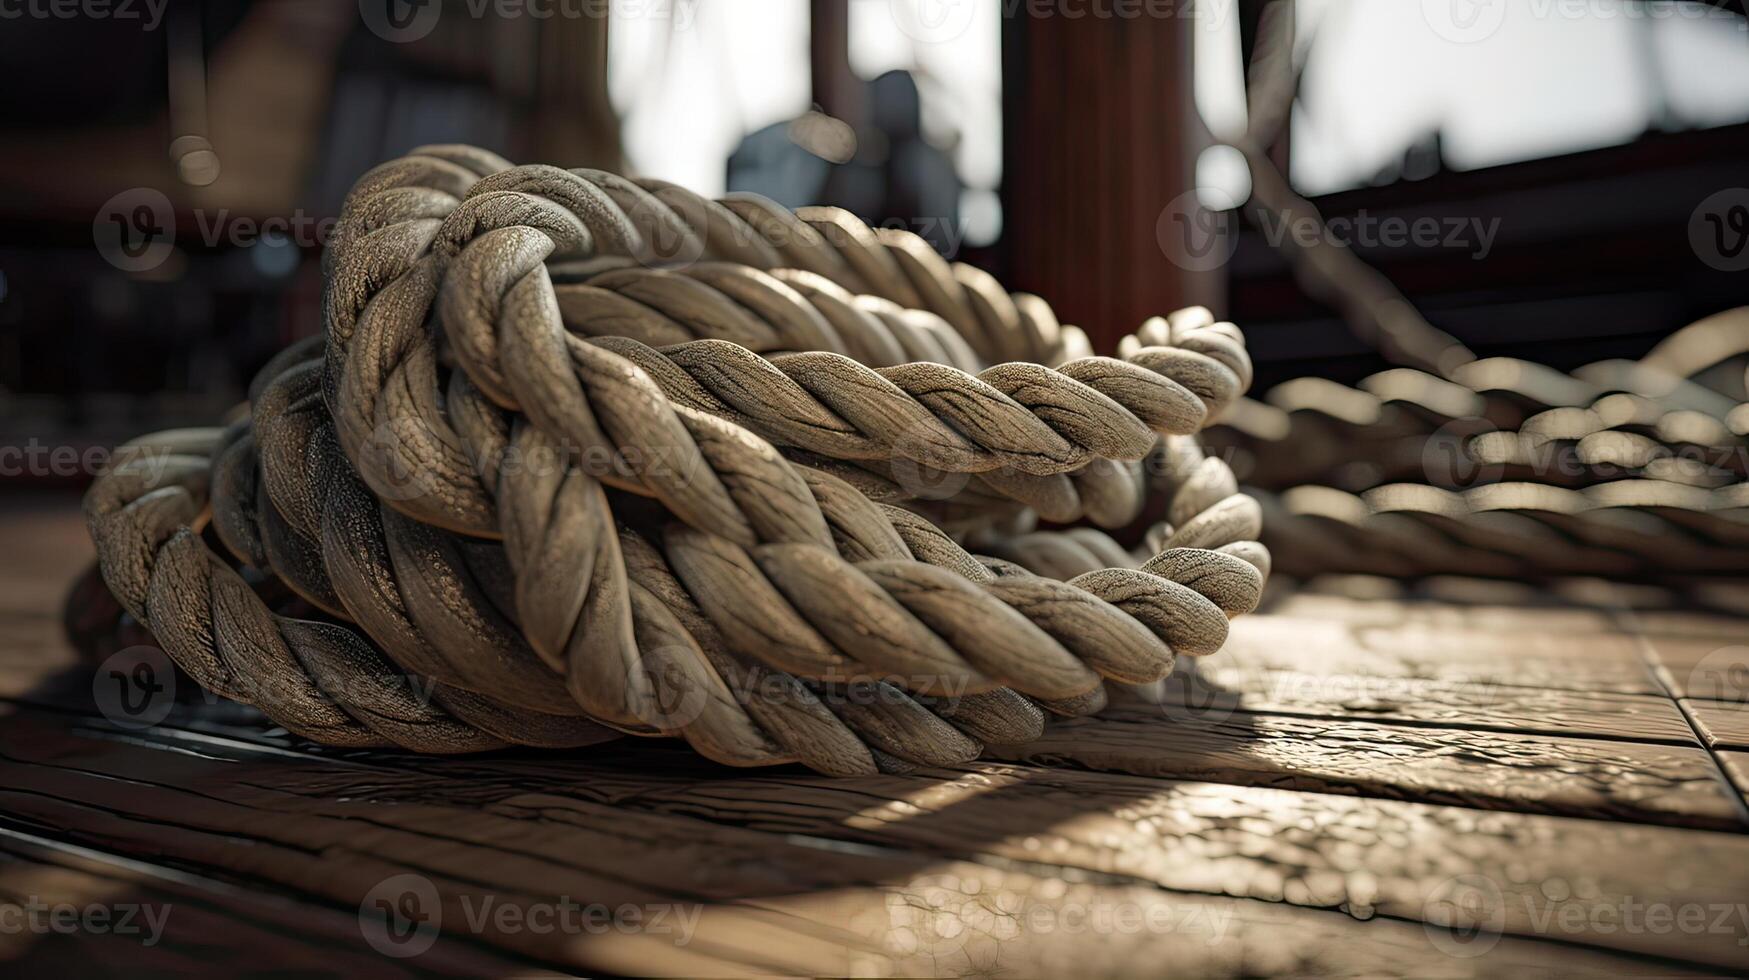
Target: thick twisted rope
<point>565,492</point>
<point>1660,417</point>
<point>1549,451</point>
<point>1622,468</point>
<point>1032,431</point>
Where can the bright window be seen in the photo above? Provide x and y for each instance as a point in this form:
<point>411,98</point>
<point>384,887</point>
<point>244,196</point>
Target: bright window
<point>1501,81</point>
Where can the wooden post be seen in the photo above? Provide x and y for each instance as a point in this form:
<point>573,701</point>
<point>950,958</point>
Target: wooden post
<point>837,90</point>
<point>1102,139</point>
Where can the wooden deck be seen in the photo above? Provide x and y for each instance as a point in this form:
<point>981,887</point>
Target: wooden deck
<point>1354,787</point>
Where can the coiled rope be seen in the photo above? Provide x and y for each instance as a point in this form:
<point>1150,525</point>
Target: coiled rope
<point>1625,469</point>
<point>578,455</point>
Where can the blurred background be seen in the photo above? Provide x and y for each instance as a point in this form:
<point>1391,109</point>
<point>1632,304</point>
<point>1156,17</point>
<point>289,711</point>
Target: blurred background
<point>1561,180</point>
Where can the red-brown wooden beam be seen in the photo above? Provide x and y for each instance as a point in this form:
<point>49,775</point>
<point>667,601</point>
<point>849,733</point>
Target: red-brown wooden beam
<point>1101,140</point>
<point>837,90</point>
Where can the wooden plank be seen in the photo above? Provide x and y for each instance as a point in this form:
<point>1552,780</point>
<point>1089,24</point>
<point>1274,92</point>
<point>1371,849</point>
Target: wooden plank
<point>1300,848</point>
<point>1648,783</point>
<point>963,919</point>
<point>47,546</point>
<point>1690,624</point>
<point>802,874</point>
<point>1736,767</point>
<point>1724,724</point>
<point>32,650</point>
<point>1346,751</point>
<point>79,913</point>
<point>957,919</point>
<point>280,820</point>
<point>1671,782</point>
<point>1599,661</point>
<point>1605,607</point>
<point>1703,667</point>
<point>1342,714</point>
<point>1349,682</point>
<point>1218,687</point>
<point>1532,875</point>
<point>1362,610</point>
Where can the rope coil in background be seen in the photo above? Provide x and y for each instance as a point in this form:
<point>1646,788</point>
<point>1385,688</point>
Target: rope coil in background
<point>1621,469</point>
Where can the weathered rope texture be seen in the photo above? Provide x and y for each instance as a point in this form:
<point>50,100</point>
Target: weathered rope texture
<point>1450,464</point>
<point>1629,469</point>
<point>578,456</point>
